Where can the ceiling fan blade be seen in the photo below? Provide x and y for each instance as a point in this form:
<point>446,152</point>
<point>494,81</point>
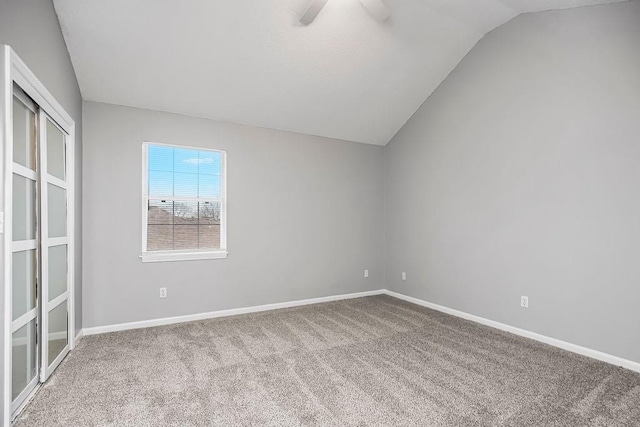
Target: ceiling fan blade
<point>312,11</point>
<point>377,9</point>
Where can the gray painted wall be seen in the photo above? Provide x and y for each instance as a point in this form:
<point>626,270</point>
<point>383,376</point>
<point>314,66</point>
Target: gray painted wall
<point>304,218</point>
<point>520,176</point>
<point>31,28</point>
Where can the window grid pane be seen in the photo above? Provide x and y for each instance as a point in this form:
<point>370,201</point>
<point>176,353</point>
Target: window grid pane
<point>188,224</point>
<point>176,225</point>
<point>160,212</point>
<point>184,173</point>
<point>160,237</point>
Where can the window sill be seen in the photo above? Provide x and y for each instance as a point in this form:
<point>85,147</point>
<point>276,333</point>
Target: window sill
<point>182,256</point>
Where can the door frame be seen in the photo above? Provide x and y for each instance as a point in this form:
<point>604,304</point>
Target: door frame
<point>14,70</point>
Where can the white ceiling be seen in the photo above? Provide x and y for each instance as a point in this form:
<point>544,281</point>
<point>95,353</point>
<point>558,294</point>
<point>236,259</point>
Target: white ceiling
<point>344,76</point>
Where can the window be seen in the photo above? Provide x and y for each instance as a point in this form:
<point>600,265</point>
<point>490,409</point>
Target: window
<point>184,203</point>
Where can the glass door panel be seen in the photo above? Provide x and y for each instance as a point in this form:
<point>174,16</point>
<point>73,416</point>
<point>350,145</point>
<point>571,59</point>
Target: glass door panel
<point>24,362</point>
<point>24,268</point>
<point>58,279</point>
<point>24,132</point>
<point>56,161</point>
<point>57,211</point>
<point>57,335</point>
<point>24,208</point>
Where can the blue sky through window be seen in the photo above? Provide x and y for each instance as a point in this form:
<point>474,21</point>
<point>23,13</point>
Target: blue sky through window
<point>182,172</point>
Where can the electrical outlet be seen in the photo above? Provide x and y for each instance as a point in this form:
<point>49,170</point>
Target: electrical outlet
<point>366,273</point>
<point>163,292</point>
<point>524,302</point>
<point>404,275</point>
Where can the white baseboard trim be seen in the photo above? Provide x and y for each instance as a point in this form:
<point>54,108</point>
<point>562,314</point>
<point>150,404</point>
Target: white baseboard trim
<point>574,348</point>
<point>594,354</point>
<point>223,313</point>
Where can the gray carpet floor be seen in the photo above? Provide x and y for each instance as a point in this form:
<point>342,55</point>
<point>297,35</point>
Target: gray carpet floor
<point>366,361</point>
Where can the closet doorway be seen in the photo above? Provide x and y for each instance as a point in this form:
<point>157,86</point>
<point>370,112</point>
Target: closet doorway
<point>38,250</point>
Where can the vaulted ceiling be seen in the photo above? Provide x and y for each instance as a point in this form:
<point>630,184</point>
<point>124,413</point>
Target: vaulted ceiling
<point>344,76</point>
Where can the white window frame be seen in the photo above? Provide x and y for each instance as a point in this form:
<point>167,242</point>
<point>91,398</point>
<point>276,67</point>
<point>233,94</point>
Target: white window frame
<point>189,254</point>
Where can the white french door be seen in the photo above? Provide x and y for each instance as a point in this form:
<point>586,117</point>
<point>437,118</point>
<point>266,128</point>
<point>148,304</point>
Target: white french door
<point>36,230</point>
<point>40,257</point>
<point>54,243</point>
